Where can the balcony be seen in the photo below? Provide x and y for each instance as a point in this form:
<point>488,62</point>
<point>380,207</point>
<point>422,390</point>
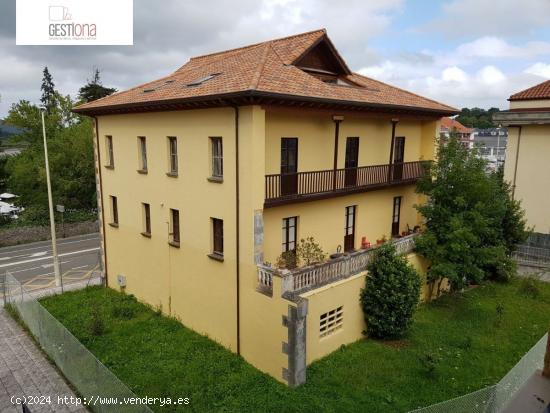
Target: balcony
<point>305,186</point>
<point>300,280</point>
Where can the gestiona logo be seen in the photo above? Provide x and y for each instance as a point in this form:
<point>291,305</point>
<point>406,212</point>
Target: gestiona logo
<point>63,27</point>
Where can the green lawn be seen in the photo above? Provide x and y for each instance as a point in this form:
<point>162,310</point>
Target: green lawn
<point>157,356</point>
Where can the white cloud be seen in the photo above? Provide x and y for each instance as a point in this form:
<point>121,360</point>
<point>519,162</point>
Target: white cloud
<point>495,47</point>
<point>482,17</point>
<point>539,69</point>
<point>454,74</point>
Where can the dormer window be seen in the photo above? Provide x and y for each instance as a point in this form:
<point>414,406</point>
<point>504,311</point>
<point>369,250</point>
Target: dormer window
<point>203,79</point>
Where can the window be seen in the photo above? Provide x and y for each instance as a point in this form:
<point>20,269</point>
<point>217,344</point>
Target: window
<point>331,322</point>
<point>217,238</point>
<point>290,233</point>
<point>146,219</point>
<point>142,147</point>
<point>217,157</point>
<point>173,155</point>
<point>114,211</point>
<point>175,227</point>
<point>349,229</point>
<point>110,153</point>
<point>396,216</point>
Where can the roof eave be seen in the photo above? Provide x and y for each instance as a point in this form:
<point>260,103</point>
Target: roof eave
<point>253,96</point>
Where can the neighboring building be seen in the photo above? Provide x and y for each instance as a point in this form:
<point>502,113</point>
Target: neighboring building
<point>451,126</point>
<point>207,175</point>
<point>492,142</point>
<point>528,150</point>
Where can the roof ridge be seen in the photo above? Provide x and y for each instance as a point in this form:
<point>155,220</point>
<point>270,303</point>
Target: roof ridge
<point>258,74</point>
<point>529,89</point>
<point>403,90</point>
<point>323,30</point>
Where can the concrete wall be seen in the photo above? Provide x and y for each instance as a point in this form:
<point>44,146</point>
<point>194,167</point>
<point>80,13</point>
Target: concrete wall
<point>533,172</point>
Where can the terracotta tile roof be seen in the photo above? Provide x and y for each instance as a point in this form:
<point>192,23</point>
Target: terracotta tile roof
<point>452,124</point>
<point>540,91</point>
<point>264,68</point>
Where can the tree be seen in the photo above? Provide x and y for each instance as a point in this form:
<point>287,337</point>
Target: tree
<point>391,294</point>
<point>477,118</point>
<point>94,89</point>
<point>469,223</point>
<point>48,91</point>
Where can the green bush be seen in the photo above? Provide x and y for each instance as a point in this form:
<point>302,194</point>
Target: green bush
<point>391,294</point>
<point>529,286</point>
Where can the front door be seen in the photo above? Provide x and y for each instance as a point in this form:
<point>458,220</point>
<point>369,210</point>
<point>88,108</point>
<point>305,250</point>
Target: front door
<point>349,237</point>
<point>289,166</point>
<point>352,159</point>
<point>398,157</point>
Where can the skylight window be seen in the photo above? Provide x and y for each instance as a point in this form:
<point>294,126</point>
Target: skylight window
<point>148,90</point>
<point>203,79</point>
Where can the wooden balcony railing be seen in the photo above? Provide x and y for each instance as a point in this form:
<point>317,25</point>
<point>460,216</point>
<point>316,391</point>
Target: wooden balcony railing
<point>284,188</point>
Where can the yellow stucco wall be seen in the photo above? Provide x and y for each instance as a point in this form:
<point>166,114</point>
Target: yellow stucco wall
<point>202,292</point>
<point>533,172</point>
<point>315,133</point>
<point>344,293</point>
<point>188,284</point>
<point>324,220</point>
<point>530,104</point>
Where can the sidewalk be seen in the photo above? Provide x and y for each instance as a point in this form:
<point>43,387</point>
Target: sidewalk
<point>25,372</point>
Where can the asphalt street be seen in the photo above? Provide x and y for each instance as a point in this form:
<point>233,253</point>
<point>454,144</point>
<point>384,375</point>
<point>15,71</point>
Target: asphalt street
<point>32,264</point>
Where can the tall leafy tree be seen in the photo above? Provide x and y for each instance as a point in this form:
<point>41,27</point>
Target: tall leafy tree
<point>48,91</point>
<point>94,89</point>
<point>470,221</point>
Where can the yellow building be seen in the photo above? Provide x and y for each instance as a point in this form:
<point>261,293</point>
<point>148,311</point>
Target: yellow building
<point>527,166</point>
<point>207,175</point>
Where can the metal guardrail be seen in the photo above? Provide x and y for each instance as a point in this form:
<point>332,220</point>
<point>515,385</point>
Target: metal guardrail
<point>532,256</point>
<point>94,382</point>
<point>493,399</point>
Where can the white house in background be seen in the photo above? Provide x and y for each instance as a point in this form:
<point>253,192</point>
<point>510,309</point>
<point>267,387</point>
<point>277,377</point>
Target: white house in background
<point>7,196</point>
<point>8,209</point>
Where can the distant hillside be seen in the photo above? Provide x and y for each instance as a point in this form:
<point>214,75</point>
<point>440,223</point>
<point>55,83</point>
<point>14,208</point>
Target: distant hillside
<point>477,118</point>
<point>7,131</point>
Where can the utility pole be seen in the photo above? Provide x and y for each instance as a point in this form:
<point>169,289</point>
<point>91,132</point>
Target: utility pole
<point>56,269</point>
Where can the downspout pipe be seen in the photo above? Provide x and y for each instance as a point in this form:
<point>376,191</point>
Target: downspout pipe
<point>516,164</point>
<point>390,163</point>
<point>101,203</point>
<point>337,119</point>
<point>237,232</point>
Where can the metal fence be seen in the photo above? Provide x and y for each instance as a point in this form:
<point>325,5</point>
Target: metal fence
<point>532,256</point>
<point>493,399</point>
<point>96,384</point>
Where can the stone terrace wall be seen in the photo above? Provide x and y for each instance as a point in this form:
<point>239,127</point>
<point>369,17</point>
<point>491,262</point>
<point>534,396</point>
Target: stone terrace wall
<point>23,235</point>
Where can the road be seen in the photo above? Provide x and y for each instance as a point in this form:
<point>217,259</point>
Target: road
<point>32,264</point>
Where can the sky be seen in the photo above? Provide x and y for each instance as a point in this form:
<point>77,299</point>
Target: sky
<point>464,53</point>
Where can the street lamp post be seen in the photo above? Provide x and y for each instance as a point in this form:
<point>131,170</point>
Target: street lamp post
<point>56,269</point>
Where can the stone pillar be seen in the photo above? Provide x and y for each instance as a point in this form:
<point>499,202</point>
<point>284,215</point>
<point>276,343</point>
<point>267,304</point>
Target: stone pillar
<point>295,348</point>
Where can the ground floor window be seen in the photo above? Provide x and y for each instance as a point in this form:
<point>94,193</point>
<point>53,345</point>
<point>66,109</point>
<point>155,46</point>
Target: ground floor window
<point>289,233</point>
<point>396,217</point>
<point>331,321</point>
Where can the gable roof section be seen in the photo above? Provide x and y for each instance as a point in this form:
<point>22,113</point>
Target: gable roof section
<point>540,91</point>
<point>263,70</point>
<point>450,124</point>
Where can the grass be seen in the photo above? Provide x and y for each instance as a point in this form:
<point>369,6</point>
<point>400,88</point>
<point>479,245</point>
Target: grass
<point>458,344</point>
